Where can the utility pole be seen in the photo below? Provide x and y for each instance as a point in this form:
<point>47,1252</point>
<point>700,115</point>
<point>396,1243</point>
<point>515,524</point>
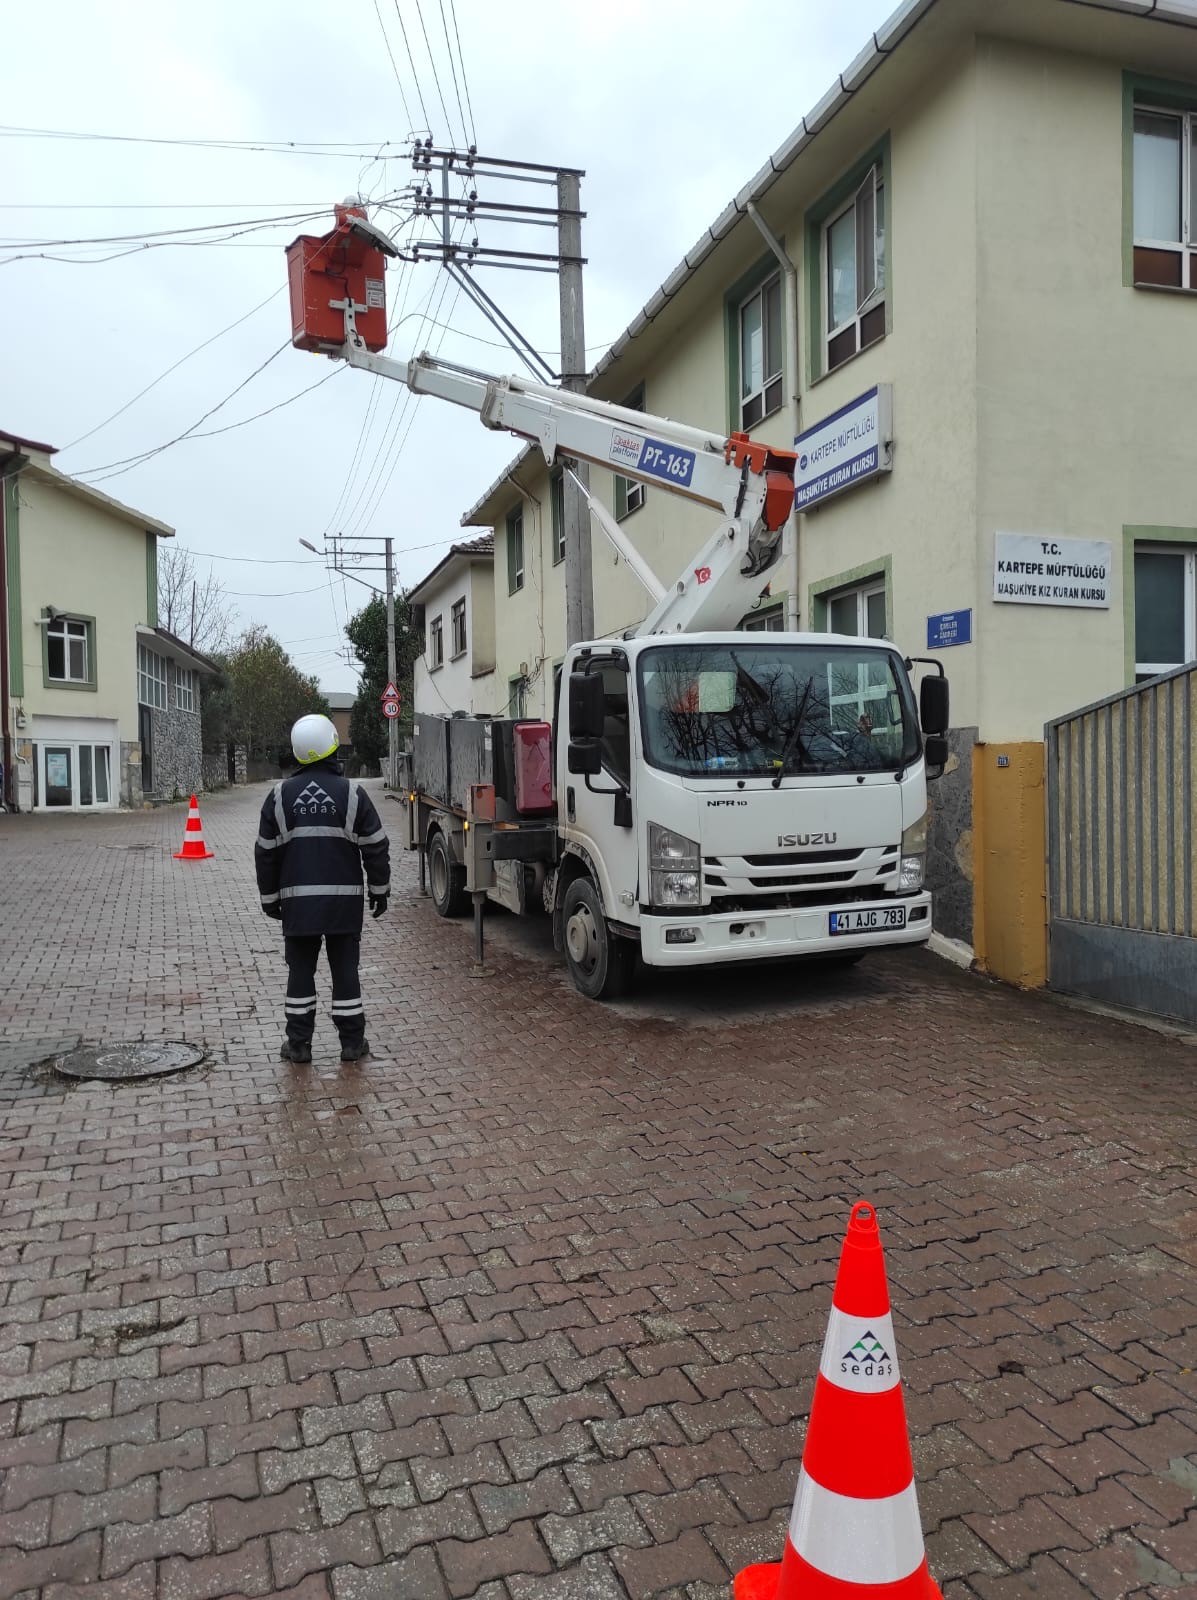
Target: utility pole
<point>579,585</point>
<point>392,669</point>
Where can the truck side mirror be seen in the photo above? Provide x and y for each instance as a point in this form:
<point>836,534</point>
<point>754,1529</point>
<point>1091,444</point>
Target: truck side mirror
<point>587,706</point>
<point>935,751</point>
<point>933,705</point>
<point>583,756</point>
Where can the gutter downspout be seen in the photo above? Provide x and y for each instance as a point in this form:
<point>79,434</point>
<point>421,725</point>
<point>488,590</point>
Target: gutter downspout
<point>790,275</point>
<point>8,794</point>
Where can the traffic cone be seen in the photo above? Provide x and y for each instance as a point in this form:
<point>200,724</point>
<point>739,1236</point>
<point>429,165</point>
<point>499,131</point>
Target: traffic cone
<point>854,1532</point>
<point>194,848</point>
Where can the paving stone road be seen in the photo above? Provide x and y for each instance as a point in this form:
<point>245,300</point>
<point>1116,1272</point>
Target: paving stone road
<point>529,1307</point>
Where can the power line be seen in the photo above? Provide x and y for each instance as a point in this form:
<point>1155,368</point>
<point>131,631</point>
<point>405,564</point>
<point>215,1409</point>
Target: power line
<point>387,41</point>
<point>436,77</point>
<point>173,368</point>
<point>464,83</point>
<point>342,149</point>
<point>411,63</point>
<point>243,224</point>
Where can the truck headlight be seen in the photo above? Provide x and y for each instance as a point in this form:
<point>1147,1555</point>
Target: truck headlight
<point>674,868</point>
<point>913,854</point>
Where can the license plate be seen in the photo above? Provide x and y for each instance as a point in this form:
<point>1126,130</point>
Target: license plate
<point>877,919</point>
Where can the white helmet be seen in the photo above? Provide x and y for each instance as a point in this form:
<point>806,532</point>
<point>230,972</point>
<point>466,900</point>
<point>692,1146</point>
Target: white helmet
<point>313,738</point>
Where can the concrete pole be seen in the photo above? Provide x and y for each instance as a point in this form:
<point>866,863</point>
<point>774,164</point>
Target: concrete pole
<point>392,773</point>
<point>579,587</point>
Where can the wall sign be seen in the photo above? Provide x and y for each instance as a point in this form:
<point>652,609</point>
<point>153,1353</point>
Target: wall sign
<point>849,447</point>
<point>1031,570</point>
<point>949,628</point>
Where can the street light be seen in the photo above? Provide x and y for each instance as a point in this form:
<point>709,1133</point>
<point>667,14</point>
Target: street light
<point>309,546</point>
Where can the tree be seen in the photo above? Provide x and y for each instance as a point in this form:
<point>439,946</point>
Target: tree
<point>191,607</point>
<point>260,695</point>
<point>367,633</point>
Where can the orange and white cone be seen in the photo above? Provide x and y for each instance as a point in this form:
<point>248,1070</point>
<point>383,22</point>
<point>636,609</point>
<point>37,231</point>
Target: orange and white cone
<point>194,848</point>
<point>854,1532</point>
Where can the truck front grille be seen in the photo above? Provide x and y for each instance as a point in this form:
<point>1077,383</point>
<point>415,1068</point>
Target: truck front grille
<point>801,877</point>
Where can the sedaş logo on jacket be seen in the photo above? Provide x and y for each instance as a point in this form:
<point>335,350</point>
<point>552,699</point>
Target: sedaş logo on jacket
<point>314,802</point>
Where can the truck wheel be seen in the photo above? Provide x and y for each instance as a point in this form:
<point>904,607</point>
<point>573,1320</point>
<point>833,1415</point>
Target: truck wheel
<point>600,962</point>
<point>446,880</point>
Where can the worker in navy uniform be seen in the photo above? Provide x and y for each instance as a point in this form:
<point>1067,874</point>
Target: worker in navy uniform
<point>317,831</point>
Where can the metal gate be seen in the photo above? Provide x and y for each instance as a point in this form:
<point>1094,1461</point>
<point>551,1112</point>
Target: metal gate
<point>1121,831</point>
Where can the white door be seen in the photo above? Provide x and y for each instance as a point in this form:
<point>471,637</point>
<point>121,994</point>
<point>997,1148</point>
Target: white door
<point>73,777</point>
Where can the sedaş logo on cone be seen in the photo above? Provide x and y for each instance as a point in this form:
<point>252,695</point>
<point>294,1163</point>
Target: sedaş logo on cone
<point>867,1358</point>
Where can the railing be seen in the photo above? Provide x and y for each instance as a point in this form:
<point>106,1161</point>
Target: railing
<point>1122,809</point>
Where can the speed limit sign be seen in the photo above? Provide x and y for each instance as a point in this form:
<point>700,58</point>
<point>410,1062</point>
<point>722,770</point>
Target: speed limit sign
<point>390,708</point>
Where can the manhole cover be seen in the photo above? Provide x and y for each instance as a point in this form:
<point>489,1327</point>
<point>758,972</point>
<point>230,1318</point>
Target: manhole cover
<point>119,1062</point>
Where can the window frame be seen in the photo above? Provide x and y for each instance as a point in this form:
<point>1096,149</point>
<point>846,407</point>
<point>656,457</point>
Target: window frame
<point>185,679</point>
<point>69,620</point>
<point>457,614</point>
<point>839,199</point>
<point>630,494</point>
<point>1188,555</point>
<point>769,380</point>
<point>514,535</point>
<point>1164,98</point>
<point>148,677</point>
<point>770,618</point>
<point>875,299</point>
<point>436,642</point>
<point>557,513</point>
<point>517,697</point>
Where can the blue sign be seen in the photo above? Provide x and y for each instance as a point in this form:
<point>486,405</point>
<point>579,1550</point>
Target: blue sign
<point>949,628</point>
<point>652,457</point>
<point>846,448</point>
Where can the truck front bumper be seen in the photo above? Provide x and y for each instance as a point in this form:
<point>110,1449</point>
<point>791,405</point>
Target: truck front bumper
<point>756,936</point>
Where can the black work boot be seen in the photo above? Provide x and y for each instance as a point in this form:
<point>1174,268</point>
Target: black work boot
<point>300,1054</point>
<point>351,1051</point>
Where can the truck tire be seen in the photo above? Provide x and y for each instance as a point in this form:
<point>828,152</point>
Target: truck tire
<point>600,963</point>
<point>446,880</point>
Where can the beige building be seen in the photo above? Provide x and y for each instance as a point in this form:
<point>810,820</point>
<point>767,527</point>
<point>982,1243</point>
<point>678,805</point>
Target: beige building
<point>963,285</point>
<point>456,605</point>
<point>101,707</point>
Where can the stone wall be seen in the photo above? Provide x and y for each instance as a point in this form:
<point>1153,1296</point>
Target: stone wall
<point>950,839</point>
<point>178,753</point>
<point>129,787</point>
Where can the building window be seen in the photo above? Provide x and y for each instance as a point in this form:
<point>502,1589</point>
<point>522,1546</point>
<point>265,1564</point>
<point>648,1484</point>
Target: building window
<point>515,550</point>
<point>1165,208</point>
<point>68,651</point>
<point>853,258</point>
<point>459,628</point>
<point>517,697</point>
<point>1165,608</point>
<point>557,502</point>
<point>185,689</point>
<point>860,611</point>
<point>629,495</point>
<point>760,353</point>
<point>768,619</point>
<point>436,643</point>
<point>151,678</point>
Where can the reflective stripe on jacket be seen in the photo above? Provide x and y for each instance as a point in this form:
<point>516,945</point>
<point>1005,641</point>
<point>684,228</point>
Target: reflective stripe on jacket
<point>317,831</point>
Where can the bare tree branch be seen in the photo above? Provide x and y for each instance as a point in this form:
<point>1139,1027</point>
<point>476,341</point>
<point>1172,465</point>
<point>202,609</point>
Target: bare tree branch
<point>191,606</point>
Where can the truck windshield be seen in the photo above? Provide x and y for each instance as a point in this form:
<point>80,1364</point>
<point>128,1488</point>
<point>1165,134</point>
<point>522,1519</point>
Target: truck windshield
<point>764,710</point>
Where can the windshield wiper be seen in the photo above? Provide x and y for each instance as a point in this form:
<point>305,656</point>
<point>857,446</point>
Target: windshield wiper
<point>792,737</point>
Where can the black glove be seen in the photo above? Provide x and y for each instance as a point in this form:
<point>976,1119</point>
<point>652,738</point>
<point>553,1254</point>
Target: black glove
<point>378,904</point>
<point>274,912</point>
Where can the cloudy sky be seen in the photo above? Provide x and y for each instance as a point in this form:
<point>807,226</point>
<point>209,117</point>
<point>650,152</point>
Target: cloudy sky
<point>668,105</point>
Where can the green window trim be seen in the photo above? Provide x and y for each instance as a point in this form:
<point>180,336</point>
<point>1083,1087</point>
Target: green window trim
<point>813,222</point>
<point>1133,535</point>
<point>516,564</point>
<point>557,508</point>
<point>820,592</point>
<point>1172,96</point>
<point>12,545</point>
<point>151,579</point>
<point>767,266</point>
<point>90,686</point>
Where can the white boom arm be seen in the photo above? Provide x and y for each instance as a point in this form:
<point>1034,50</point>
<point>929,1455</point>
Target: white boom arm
<point>752,485</point>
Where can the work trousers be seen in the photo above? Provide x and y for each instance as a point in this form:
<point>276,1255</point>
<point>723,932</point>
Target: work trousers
<point>303,952</point>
